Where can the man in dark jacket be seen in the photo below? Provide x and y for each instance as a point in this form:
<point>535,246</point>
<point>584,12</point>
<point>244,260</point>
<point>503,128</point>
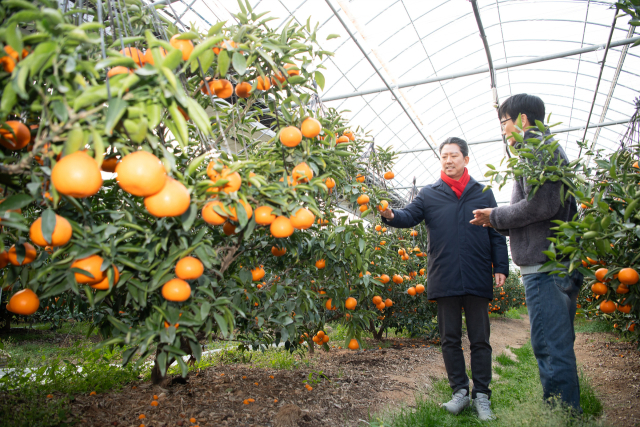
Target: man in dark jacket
<point>551,299</point>
<point>460,258</point>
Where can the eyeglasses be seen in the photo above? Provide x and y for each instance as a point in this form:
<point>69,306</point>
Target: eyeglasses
<point>504,122</point>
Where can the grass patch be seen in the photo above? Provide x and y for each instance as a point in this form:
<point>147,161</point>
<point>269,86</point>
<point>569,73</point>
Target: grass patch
<point>516,400</point>
<point>591,326</point>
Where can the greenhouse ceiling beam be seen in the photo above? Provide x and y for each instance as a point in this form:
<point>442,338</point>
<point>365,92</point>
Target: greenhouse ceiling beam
<point>388,87</point>
<point>571,129</point>
<point>481,70</point>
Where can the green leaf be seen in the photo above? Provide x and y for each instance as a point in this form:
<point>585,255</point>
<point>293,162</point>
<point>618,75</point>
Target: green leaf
<point>319,79</point>
<point>16,201</point>
<point>223,63</point>
<point>215,29</point>
<point>188,217</point>
<point>222,324</point>
<point>206,59</point>
<point>188,36</point>
<point>199,116</point>
<point>115,111</point>
<point>124,61</point>
<point>173,59</point>
<point>9,98</point>
<point>202,47</point>
<point>48,224</point>
<point>13,36</point>
<point>239,63</point>
<point>332,36</point>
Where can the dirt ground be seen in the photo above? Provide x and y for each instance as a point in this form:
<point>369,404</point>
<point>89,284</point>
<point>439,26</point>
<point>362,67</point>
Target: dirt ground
<point>352,386</point>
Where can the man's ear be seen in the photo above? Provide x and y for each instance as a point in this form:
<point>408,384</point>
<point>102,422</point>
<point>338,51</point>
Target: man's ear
<point>466,160</point>
<point>525,121</point>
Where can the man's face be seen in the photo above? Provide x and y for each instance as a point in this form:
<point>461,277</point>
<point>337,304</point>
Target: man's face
<point>509,127</point>
<point>453,162</point>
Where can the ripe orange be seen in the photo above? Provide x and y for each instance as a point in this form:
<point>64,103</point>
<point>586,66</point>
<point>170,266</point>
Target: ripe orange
<point>292,69</point>
<point>384,279</point>
<point>264,215</point>
<point>104,284</point>
<point>320,264</point>
<point>389,175</point>
<point>599,288</point>
<point>235,180</point>
<point>29,257</point>
<point>4,259</point>
<point>360,178</point>
<point>381,306</point>
<point>302,173</point>
<point>229,229</point>
<point>176,290</point>
<point>147,58</point>
<point>328,305</point>
<point>600,273</point>
<point>172,200</point>
<point>378,227</point>
<point>263,83</point>
<point>186,46</point>
<point>397,279</point>
<point>413,233</point>
<point>61,233</point>
<point>607,306</point>
<point>20,140</point>
<point>350,303</point>
<point>302,219</point>
<point>222,88</point>
<point>325,339</point>
<point>141,174</point>
<point>635,165</point>
<point>243,90</point>
<point>247,208</point>
<point>290,136</point>
<point>281,227</point>
<point>310,127</point>
<point>189,268</point>
<point>419,289</point>
<point>342,139</point>
<point>92,265</point>
<point>382,207</point>
<point>384,229</point>
<point>278,252</point>
<point>320,335</point>
<point>624,308</point>
<point>388,303</point>
<point>622,289</point>
<point>628,276</point>
<point>353,344</point>
<point>330,183</point>
<point>109,164</point>
<point>24,302</point>
<point>77,175</point>
<point>257,274</point>
<point>118,70</point>
<point>363,199</point>
<point>411,291</point>
<point>224,45</point>
<point>210,216</point>
<point>279,77</point>
<point>363,208</point>
<point>134,54</point>
<point>349,135</point>
<point>377,300</point>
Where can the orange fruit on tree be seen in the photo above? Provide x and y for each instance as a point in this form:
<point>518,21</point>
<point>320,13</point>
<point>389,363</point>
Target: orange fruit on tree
<point>320,335</point>
<point>325,339</point>
<point>18,141</point>
<point>388,302</point>
<point>419,288</point>
<point>600,273</point>
<point>189,268</point>
<point>592,261</point>
<point>384,229</point>
<point>385,279</point>
<point>599,288</point>
<point>104,284</point>
<point>109,164</point>
<point>302,173</point>
<point>247,208</point>
<point>141,174</point>
<point>222,88</point>
<point>414,233</point>
<point>279,77</point>
<point>185,46</point>
<point>622,289</point>
<point>328,305</point>
<point>349,135</point>
<point>119,70</point>
<point>148,55</point>
<point>353,344</point>
<point>29,257</point>
<point>224,45</point>
<point>607,306</point>
<point>243,90</point>
<point>628,276</point>
<point>330,183</point>
<point>176,290</point>
<point>278,252</point>
<point>172,200</point>
<point>363,199</point>
<point>4,259</point>
<point>360,178</point>
<point>210,216</point>
<point>302,219</point>
<point>389,175</point>
<point>92,265</point>
<point>290,136</point>
<point>229,229</point>
<point>257,274</point>
<point>422,271</point>
<point>350,303</point>
<point>77,175</point>
<point>264,215</point>
<point>397,279</point>
<point>321,263</point>
<point>61,232</point>
<point>263,83</point>
<point>24,302</point>
<point>281,227</point>
<point>378,227</point>
<point>363,208</point>
<point>135,54</point>
<point>376,300</point>
<point>411,291</point>
<point>292,69</point>
<point>342,139</point>
<point>624,308</point>
<point>382,207</point>
<point>401,252</point>
<point>310,127</point>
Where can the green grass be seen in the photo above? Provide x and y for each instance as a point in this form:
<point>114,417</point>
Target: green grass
<point>339,332</point>
<point>516,401</point>
<point>590,326</point>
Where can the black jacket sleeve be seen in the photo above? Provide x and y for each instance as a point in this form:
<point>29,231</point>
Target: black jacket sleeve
<point>411,215</point>
<point>499,252</point>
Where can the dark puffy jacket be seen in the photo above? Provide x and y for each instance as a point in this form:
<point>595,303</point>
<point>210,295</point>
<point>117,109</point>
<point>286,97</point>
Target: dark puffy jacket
<point>459,254</point>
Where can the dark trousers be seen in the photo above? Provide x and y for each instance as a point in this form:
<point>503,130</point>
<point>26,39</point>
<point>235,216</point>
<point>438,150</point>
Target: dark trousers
<point>476,311</point>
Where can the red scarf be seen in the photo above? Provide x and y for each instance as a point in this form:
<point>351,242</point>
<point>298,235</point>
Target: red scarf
<point>456,186</point>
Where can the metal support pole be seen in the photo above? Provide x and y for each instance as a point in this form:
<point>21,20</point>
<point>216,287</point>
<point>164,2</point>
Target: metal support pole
<point>481,70</point>
<point>355,40</point>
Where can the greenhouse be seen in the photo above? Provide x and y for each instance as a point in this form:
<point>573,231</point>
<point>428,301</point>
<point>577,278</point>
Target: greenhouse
<point>319,212</point>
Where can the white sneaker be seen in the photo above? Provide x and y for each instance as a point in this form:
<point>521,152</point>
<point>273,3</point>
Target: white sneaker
<point>483,406</point>
<point>458,402</point>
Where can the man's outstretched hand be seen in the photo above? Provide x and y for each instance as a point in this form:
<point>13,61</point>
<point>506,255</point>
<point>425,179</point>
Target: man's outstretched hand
<point>481,217</point>
<point>387,213</point>
<point>500,279</point>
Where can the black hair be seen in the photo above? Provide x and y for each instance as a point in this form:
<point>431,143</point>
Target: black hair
<point>523,103</point>
<point>464,148</point>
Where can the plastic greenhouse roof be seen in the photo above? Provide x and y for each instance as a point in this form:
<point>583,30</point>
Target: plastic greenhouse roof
<point>410,40</point>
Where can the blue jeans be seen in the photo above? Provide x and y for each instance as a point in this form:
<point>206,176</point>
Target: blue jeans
<point>551,301</point>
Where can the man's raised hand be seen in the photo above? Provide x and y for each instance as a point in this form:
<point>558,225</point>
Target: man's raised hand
<point>387,213</point>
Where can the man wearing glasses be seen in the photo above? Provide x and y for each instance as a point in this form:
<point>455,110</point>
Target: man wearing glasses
<point>551,299</point>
